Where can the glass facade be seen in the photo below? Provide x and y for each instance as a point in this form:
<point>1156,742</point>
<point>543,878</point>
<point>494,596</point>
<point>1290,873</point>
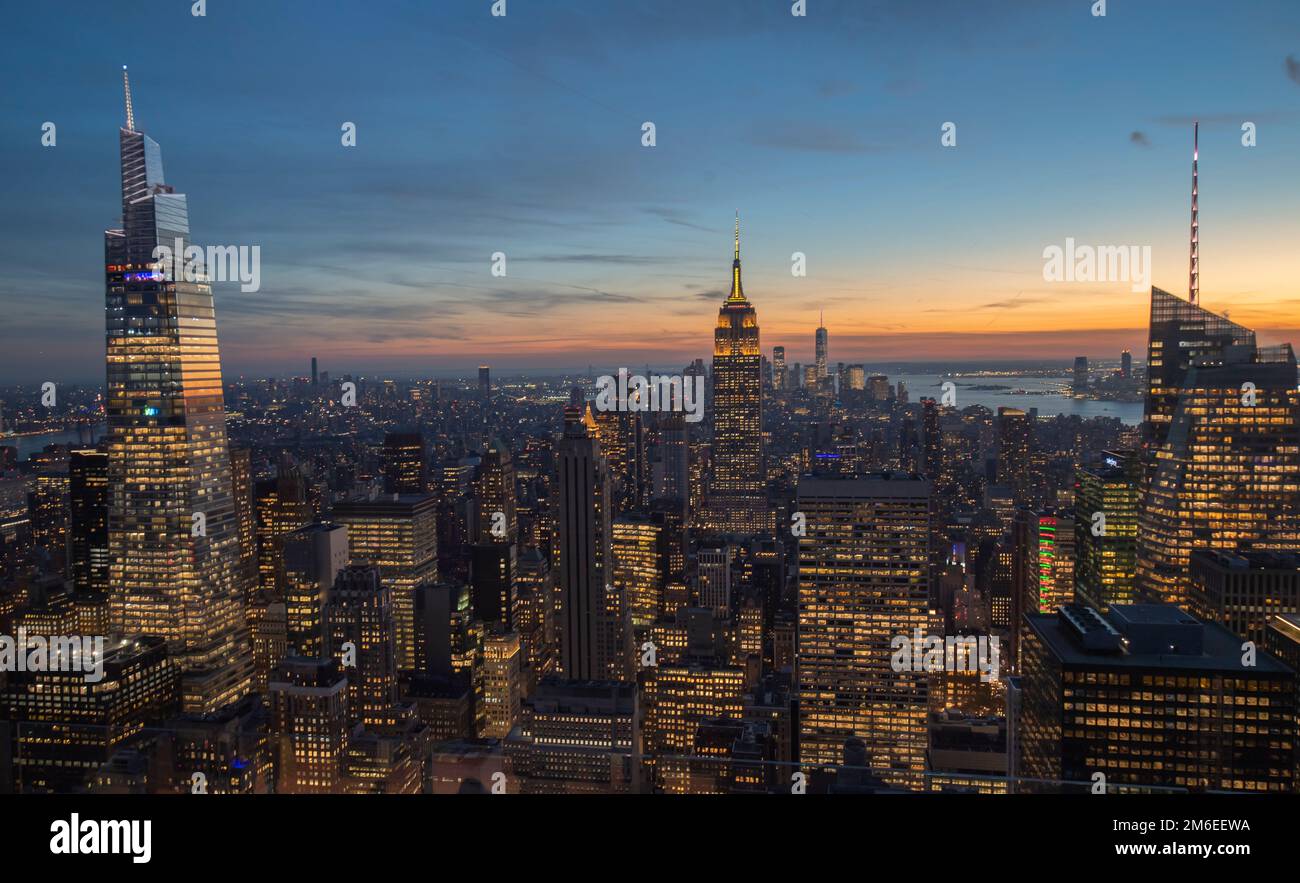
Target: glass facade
<point>172,531</point>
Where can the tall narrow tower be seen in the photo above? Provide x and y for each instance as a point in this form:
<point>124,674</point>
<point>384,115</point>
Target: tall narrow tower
<point>1194,273</point>
<point>821,347</point>
<point>173,540</point>
<point>738,501</point>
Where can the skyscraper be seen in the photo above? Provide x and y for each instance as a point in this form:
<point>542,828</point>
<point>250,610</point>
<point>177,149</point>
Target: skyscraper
<point>931,439</point>
<point>1243,591</point>
<point>312,559</point>
<point>863,579</point>
<point>498,684</point>
<point>404,464</point>
<point>1222,445</point>
<point>1013,450</point>
<point>241,481</point>
<point>400,534</point>
<point>1148,695</point>
<point>88,519</point>
<point>65,728</point>
<point>778,367</point>
<point>672,478</point>
<point>282,508</point>
<point>738,501</point>
<point>172,532</point>
<point>1106,546</point>
<point>495,489</point>
<point>589,633</point>
<point>1080,385</point>
<point>639,551</point>
<point>820,348</point>
<point>360,614</point>
<point>309,725</point>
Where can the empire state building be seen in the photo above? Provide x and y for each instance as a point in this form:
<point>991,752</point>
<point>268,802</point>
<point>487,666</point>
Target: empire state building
<point>172,532</point>
<point>737,497</point>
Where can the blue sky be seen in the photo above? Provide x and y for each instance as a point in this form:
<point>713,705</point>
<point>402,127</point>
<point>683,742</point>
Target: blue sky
<point>522,134</point>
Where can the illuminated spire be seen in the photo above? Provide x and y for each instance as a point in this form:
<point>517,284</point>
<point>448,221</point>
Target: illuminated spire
<point>1194,274</point>
<point>130,113</point>
<point>737,292</point>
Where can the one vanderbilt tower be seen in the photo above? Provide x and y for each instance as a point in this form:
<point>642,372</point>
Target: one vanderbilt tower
<point>172,538</point>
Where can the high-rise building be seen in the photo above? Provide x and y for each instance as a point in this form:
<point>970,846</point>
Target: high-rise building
<point>64,727</point>
<point>590,614</point>
<point>1080,385</point>
<point>677,698</point>
<point>738,493</point>
<point>778,367</point>
<point>499,684</point>
<point>1222,445</point>
<point>485,382</point>
<point>1150,696</point>
<point>639,551</point>
<point>534,620</point>
<point>282,508</point>
<point>241,492</point>
<point>1126,364</point>
<point>863,579</point>
<point>576,738</point>
<point>931,439</point>
<point>404,464</point>
<point>358,627</point>
<point>1013,450</point>
<point>230,748</point>
<point>309,725</point>
<point>1105,530</point>
<point>48,505</point>
<point>493,557</point>
<point>820,347</point>
<point>88,519</point>
<point>495,489</point>
<point>400,534</point>
<point>1242,591</point>
<point>713,577</point>
<point>672,479</point>
<point>1049,558</point>
<point>493,571</point>
<point>172,533</point>
<point>312,559</point>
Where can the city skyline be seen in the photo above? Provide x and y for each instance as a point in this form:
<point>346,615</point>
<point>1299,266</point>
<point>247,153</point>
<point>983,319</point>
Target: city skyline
<point>377,257</point>
<point>780,567</point>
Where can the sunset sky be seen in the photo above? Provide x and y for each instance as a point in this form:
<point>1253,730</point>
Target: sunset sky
<point>523,135</point>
